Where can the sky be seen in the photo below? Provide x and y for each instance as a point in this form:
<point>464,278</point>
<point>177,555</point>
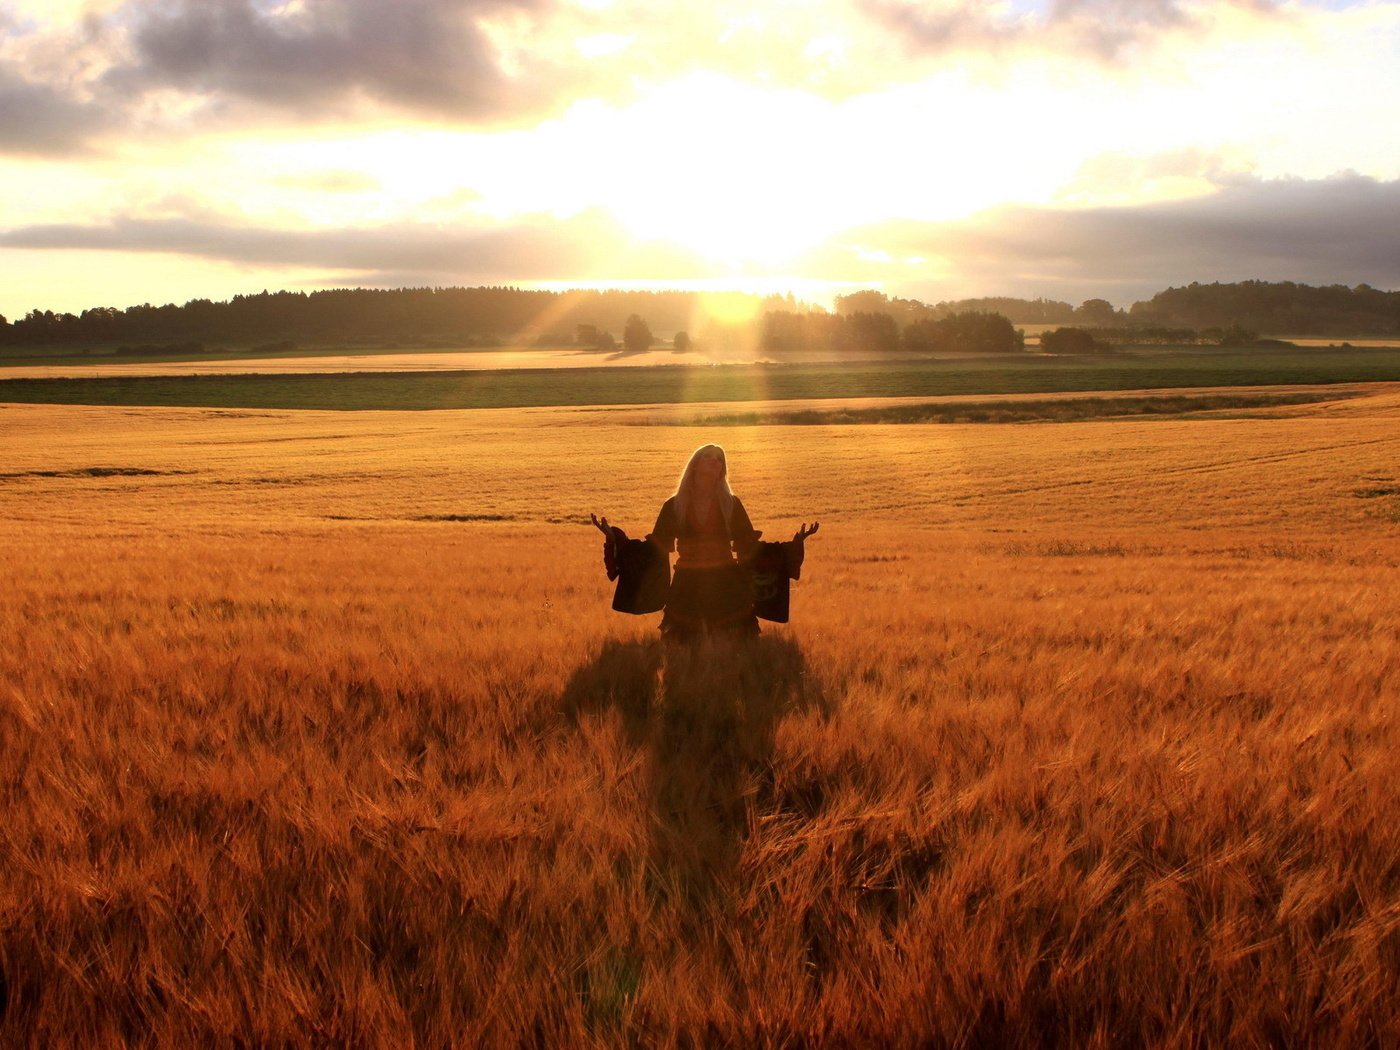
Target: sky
<point>165,150</point>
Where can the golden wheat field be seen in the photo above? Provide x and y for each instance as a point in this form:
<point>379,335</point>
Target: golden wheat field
<point>316,729</point>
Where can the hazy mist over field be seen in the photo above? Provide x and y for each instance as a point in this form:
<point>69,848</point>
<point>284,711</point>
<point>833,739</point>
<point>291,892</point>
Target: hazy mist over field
<point>159,151</point>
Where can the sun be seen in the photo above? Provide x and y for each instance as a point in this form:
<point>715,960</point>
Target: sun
<point>724,171</point>
<point>735,218</point>
<point>756,176</point>
<point>745,181</point>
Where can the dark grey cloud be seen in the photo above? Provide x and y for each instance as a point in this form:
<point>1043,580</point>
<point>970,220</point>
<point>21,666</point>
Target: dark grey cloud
<point>586,245</point>
<point>1103,29</point>
<point>1344,229</point>
<point>43,119</point>
<point>426,55</point>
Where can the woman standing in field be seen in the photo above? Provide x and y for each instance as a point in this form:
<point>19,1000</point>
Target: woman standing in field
<point>705,524</point>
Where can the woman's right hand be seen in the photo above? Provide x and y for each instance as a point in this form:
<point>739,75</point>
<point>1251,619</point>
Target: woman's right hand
<point>601,524</point>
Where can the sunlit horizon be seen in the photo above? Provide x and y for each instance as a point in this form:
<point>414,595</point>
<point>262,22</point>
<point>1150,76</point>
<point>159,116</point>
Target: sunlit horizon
<point>165,152</point>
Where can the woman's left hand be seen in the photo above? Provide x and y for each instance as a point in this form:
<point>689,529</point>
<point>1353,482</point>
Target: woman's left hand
<point>801,534</point>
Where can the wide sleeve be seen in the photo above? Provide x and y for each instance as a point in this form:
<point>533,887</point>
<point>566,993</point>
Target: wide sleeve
<point>663,533</point>
<point>643,579</point>
<point>741,531</point>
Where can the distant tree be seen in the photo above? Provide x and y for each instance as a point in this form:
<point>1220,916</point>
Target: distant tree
<point>866,301</point>
<point>680,342</point>
<point>1236,335</point>
<point>867,333</point>
<point>606,341</point>
<point>784,331</point>
<point>586,335</point>
<point>1096,312</point>
<point>972,332</point>
<point>1146,335</point>
<point>1071,341</point>
<point>904,311</point>
<point>636,335</point>
<point>1017,311</point>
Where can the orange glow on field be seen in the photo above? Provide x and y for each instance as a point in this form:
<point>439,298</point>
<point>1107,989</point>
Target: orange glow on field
<point>319,722</point>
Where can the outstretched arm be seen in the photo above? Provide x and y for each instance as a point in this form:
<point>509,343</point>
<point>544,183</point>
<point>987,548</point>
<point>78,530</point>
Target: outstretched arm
<point>611,535</point>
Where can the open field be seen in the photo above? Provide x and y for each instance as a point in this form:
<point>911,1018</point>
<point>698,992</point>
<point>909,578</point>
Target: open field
<point>58,363</point>
<point>315,727</point>
<point>1033,333</point>
<point>1340,342</point>
<point>337,359</point>
<point>1024,408</point>
<point>1000,374</point>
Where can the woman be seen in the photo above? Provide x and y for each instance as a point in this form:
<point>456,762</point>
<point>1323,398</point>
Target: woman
<point>724,580</point>
<point>713,589</point>
<point>708,528</point>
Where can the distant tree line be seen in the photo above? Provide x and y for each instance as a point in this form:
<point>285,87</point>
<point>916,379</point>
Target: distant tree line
<point>784,331</point>
<point>1073,341</point>
<point>1206,313</point>
<point>971,331</point>
<point>860,322</point>
<point>417,316</point>
<point>1017,311</point>
<point>1149,335</point>
<point>1278,308</point>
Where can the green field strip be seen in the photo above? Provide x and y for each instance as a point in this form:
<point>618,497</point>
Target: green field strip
<point>689,384</point>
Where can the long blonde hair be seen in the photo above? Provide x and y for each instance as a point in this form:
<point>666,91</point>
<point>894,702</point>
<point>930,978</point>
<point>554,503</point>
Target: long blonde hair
<point>685,488</point>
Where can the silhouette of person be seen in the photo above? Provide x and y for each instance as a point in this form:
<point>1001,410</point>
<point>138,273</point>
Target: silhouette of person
<point>719,558</point>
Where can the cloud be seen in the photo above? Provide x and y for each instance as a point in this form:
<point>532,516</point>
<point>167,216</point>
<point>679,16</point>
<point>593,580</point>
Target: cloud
<point>1103,29</point>
<point>43,119</point>
<point>176,67</point>
<point>317,56</point>
<point>587,245</point>
<point>1345,229</point>
<point>468,62</point>
<point>179,68</point>
<point>330,181</point>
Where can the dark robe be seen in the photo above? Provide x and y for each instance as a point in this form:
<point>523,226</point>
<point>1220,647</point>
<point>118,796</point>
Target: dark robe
<point>642,571</point>
<point>775,565</point>
<point>711,590</point>
<point>724,594</point>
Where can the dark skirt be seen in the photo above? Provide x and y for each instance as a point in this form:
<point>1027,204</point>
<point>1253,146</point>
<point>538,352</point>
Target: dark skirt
<point>709,600</point>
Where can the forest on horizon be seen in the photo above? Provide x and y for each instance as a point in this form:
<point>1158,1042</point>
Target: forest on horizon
<point>488,316</point>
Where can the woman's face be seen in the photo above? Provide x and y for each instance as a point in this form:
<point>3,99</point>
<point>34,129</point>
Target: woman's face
<point>708,470</point>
